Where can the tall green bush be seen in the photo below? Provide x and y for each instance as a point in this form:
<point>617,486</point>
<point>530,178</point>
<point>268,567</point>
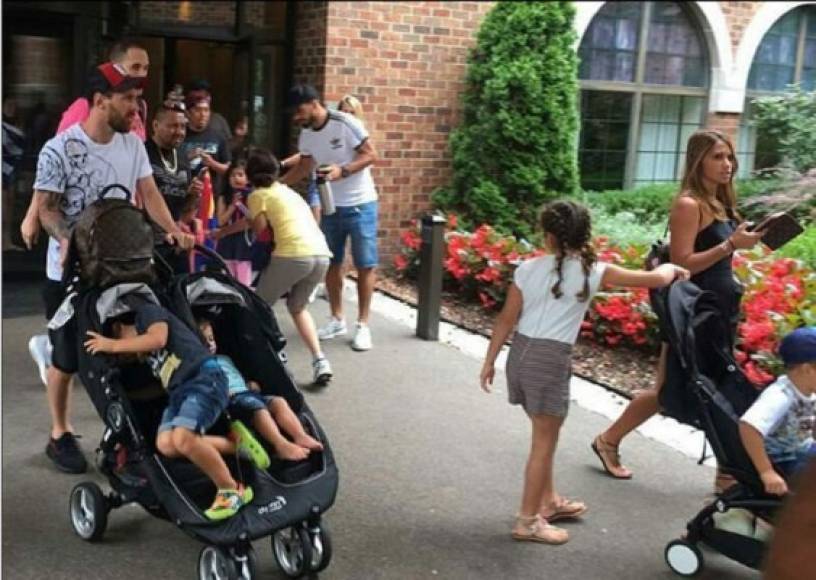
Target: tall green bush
<point>515,148</point>
<point>790,119</point>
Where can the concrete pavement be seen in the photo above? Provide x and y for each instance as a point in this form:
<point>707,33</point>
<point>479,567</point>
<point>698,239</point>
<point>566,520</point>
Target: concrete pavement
<point>430,477</point>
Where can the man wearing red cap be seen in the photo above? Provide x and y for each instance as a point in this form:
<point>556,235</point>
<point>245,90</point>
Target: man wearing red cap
<point>132,57</point>
<point>204,146</point>
<point>72,170</point>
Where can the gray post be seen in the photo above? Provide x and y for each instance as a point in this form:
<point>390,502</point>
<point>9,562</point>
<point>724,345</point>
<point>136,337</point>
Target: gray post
<point>431,254</point>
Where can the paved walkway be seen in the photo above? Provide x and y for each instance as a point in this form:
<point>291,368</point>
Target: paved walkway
<point>430,477</point>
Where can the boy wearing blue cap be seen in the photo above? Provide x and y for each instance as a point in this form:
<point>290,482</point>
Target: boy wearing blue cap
<point>777,430</point>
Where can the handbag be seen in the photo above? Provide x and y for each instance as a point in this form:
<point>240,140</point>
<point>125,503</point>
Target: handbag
<point>658,253</point>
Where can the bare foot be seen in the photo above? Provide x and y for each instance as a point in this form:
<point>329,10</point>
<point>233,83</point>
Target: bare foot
<point>291,451</point>
<point>309,442</point>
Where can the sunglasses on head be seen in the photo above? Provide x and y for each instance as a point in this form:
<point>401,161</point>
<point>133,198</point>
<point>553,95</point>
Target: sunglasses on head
<point>174,105</point>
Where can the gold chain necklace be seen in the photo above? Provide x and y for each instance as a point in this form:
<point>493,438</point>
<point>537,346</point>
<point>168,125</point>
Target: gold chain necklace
<point>170,168</point>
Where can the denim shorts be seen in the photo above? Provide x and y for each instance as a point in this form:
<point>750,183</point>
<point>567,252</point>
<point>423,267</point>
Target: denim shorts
<point>313,194</point>
<point>360,223</point>
<point>248,402</point>
<point>198,402</point>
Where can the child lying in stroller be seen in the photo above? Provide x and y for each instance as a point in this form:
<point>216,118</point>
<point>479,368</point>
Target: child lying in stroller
<point>198,395</point>
<point>267,411</point>
<point>777,430</point>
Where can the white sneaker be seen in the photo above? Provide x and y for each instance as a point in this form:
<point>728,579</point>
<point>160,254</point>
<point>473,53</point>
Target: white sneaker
<point>334,327</point>
<point>40,348</point>
<point>362,338</point>
<point>322,371</point>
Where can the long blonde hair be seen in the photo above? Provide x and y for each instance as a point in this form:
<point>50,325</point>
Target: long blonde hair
<point>352,104</point>
<point>723,204</point>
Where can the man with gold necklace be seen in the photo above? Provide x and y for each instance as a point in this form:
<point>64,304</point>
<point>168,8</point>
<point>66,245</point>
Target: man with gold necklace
<point>171,171</point>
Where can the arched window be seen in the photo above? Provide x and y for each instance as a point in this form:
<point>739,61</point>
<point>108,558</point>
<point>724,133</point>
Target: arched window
<point>786,55</point>
<point>644,78</point>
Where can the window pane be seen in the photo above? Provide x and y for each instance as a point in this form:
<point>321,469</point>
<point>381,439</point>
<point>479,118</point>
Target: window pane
<point>604,139</point>
<point>667,121</point>
<point>675,54</point>
<point>608,48</point>
<point>774,63</point>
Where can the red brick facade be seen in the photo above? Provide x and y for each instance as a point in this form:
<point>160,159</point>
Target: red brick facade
<point>738,15</point>
<point>406,63</point>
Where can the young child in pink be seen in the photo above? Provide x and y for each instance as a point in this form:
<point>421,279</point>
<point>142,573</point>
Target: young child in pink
<point>235,237</point>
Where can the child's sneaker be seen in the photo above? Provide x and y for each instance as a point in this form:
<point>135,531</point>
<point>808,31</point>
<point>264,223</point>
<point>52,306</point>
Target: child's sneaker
<point>247,446</point>
<point>228,501</point>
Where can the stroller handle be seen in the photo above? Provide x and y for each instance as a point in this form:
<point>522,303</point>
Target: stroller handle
<point>213,256</point>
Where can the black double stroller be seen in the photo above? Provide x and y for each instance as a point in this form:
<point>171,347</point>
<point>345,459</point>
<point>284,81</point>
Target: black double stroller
<point>289,497</point>
<point>706,389</point>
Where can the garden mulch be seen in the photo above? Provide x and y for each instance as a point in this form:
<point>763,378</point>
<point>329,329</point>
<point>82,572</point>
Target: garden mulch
<point>620,369</point>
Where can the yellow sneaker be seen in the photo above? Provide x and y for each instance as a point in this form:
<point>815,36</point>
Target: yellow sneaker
<point>227,502</point>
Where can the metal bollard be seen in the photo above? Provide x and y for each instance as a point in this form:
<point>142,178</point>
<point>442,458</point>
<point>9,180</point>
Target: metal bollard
<point>431,254</point>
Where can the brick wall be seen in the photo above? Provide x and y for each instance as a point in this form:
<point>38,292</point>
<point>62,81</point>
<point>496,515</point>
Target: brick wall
<point>738,15</point>
<point>311,40</point>
<point>406,63</point>
<point>728,123</point>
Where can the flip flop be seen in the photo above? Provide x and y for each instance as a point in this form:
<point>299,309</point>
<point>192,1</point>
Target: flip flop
<point>610,449</point>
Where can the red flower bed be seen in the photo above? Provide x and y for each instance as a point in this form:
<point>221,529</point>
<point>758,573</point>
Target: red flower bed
<point>479,266</point>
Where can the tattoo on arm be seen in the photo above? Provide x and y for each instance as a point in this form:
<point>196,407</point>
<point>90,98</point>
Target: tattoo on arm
<point>51,217</point>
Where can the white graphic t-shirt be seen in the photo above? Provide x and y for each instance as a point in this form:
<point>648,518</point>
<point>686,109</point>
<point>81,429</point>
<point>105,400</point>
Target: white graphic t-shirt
<point>785,418</point>
<point>79,168</point>
<point>336,142</point>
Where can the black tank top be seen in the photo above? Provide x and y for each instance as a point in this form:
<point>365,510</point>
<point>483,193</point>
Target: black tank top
<point>719,277</point>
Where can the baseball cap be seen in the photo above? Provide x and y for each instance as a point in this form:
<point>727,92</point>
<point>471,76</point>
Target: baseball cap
<point>197,96</point>
<point>300,94</point>
<point>799,346</point>
<point>112,77</point>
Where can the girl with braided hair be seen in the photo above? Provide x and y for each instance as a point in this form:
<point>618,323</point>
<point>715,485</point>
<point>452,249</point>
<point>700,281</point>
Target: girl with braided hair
<point>548,299</point>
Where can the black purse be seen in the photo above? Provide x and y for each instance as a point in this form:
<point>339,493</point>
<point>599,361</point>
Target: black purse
<point>658,253</point>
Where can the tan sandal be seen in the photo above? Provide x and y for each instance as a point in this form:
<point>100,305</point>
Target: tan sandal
<point>610,458</point>
<point>536,529</point>
<point>565,509</point>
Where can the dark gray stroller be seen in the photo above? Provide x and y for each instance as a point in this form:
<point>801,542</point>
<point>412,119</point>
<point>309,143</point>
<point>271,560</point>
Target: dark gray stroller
<point>290,497</point>
<point>706,389</point>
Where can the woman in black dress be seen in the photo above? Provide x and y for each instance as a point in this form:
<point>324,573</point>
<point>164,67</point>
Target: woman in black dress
<point>706,230</point>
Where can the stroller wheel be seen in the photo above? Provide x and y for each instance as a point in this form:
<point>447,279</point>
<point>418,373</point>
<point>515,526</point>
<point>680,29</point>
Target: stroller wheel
<point>215,564</point>
<point>89,511</point>
<point>684,558</point>
<point>321,548</point>
<point>292,548</point>
<point>246,563</point>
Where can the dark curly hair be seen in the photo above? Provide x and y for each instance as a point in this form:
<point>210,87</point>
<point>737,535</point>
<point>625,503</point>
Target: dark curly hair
<point>571,226</point>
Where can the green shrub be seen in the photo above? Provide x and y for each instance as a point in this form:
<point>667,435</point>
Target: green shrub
<point>802,248</point>
<point>649,203</point>
<point>790,119</point>
<point>626,228</point>
<point>516,146</point>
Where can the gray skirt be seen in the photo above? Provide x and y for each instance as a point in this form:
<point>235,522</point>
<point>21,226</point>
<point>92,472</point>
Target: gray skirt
<point>538,375</point>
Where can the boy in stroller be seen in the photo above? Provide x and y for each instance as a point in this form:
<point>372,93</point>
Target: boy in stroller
<point>198,395</point>
<point>267,411</point>
<point>777,430</point>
